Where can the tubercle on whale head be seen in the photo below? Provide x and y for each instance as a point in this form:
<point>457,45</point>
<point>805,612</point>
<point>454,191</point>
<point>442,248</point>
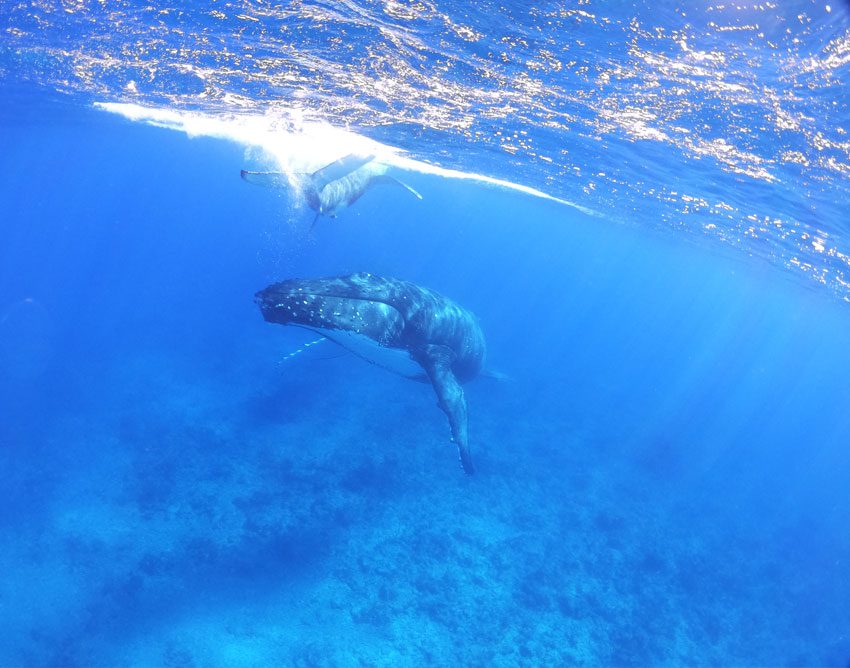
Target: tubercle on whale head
<point>279,303</point>
<point>294,303</point>
<point>269,294</point>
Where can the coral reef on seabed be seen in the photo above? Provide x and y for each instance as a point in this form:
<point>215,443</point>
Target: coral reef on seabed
<point>322,519</point>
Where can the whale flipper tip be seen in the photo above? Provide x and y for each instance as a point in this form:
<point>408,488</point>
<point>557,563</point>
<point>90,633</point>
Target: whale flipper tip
<point>437,362</point>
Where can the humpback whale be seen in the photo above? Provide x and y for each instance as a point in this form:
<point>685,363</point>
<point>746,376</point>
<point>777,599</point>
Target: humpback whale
<point>335,186</point>
<point>405,328</point>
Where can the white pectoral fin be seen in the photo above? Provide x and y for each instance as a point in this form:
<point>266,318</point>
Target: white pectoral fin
<point>437,361</point>
<point>386,178</point>
<point>339,169</point>
<point>301,349</point>
<point>266,179</point>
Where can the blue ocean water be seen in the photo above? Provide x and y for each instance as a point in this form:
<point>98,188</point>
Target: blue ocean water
<point>643,203</point>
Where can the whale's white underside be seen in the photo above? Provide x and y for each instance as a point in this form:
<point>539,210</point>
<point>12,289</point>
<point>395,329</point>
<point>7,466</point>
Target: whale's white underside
<point>396,360</point>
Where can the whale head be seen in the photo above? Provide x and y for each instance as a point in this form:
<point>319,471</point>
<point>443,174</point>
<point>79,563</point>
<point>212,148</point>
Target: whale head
<point>300,303</point>
<point>323,306</point>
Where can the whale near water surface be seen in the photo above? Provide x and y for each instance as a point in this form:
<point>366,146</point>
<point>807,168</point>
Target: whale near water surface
<point>335,186</point>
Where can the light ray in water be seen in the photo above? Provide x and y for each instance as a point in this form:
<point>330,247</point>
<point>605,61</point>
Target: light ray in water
<point>298,145</point>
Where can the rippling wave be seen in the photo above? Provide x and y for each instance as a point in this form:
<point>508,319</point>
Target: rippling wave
<point>726,120</point>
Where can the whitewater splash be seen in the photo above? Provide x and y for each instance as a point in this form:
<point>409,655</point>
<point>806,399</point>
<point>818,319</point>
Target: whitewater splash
<point>294,145</point>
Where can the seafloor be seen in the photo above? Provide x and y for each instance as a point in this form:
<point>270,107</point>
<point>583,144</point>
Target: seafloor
<point>315,514</point>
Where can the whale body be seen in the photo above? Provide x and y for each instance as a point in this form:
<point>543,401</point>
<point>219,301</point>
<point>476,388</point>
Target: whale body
<point>401,326</point>
<point>337,185</point>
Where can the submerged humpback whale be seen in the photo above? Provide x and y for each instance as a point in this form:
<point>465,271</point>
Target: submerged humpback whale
<point>395,324</point>
<point>335,186</point>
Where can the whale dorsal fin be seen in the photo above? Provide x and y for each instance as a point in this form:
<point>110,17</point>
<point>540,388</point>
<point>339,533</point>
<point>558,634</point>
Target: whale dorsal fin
<point>338,169</point>
<point>266,179</point>
<point>437,362</point>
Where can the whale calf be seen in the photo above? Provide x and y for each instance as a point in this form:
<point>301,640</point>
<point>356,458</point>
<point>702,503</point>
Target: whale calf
<point>335,186</point>
<point>405,328</point>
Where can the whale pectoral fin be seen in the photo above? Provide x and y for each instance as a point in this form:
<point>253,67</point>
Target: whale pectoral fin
<point>386,178</point>
<point>266,179</point>
<point>313,224</point>
<point>437,362</point>
<point>338,169</point>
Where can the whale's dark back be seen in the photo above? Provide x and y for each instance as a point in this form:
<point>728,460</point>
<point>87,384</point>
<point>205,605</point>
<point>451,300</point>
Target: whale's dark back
<point>392,312</point>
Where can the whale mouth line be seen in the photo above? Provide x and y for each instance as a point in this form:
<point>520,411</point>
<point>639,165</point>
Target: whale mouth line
<point>261,299</point>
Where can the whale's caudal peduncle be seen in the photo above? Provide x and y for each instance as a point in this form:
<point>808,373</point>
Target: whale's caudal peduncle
<point>406,328</point>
